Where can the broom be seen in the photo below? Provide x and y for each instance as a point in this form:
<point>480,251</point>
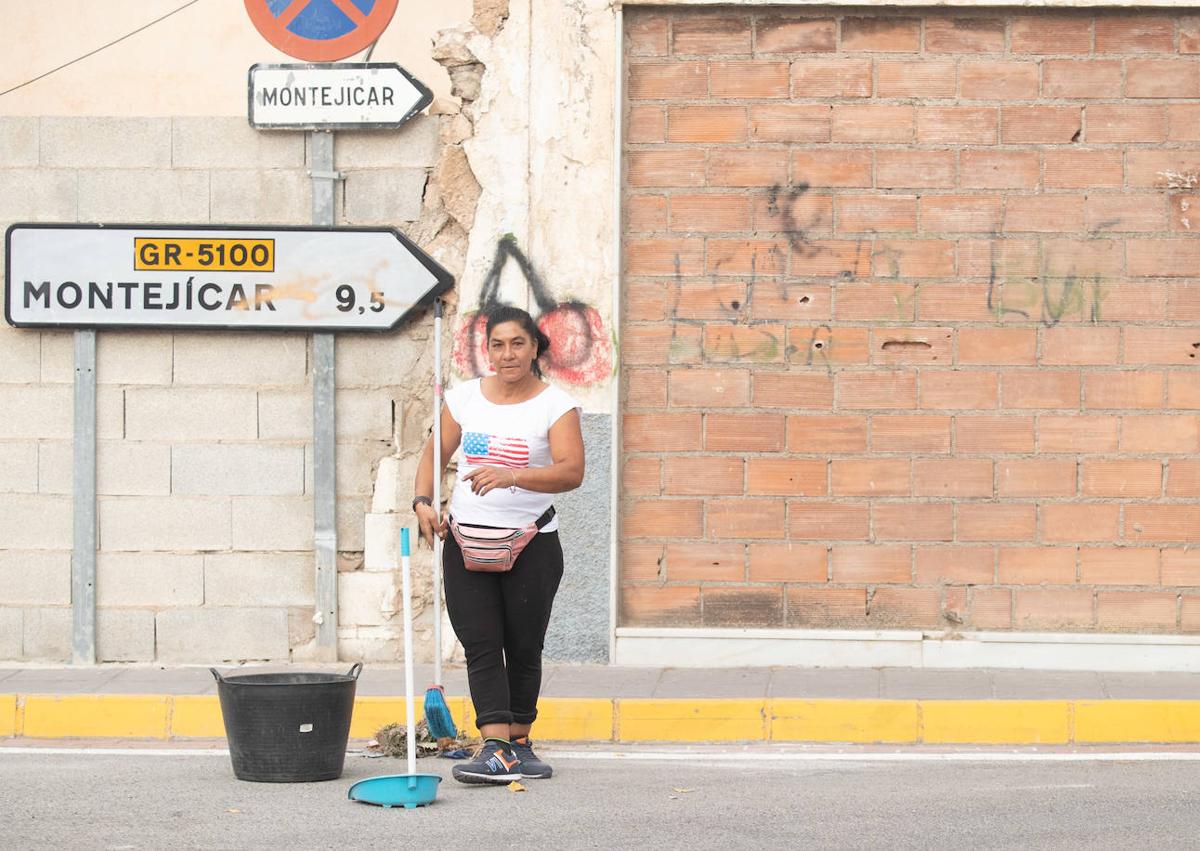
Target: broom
<point>437,713</point>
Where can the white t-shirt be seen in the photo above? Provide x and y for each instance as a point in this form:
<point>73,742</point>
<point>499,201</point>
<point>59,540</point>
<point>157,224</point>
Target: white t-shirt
<point>514,436</point>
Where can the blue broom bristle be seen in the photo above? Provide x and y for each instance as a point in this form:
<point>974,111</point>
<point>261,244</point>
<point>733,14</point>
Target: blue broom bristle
<point>437,715</point>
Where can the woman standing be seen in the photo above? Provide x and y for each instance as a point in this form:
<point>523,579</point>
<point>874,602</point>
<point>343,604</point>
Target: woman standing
<point>521,444</point>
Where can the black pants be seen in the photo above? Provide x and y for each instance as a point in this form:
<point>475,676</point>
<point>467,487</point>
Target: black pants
<point>501,620</point>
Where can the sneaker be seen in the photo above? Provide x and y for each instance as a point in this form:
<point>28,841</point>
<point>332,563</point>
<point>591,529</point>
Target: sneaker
<point>532,768</point>
<point>495,763</point>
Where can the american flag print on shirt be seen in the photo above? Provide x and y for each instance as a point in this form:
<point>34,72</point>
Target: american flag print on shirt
<point>480,448</point>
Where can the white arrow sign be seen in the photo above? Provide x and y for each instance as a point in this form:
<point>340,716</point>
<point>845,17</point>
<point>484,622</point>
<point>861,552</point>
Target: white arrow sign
<point>155,276</point>
<point>349,96</point>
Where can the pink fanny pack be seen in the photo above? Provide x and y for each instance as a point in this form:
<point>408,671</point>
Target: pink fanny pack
<point>487,549</point>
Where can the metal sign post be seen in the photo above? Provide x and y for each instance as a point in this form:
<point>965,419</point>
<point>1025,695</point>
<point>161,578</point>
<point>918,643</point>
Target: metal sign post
<point>320,99</point>
<point>324,182</point>
<point>83,557</point>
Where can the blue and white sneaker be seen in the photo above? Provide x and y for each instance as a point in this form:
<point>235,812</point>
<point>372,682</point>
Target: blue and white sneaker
<point>532,768</point>
<point>496,763</point>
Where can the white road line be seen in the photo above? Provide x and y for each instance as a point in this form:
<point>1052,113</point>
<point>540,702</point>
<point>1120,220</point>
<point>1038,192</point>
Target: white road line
<point>1056,786</point>
<point>118,751</point>
<point>674,756</point>
<point>707,756</point>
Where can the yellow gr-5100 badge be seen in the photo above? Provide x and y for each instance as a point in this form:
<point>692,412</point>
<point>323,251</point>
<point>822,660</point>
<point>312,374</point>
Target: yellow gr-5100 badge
<point>204,255</point>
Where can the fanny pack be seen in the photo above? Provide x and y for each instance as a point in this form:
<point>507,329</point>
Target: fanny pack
<point>487,549</point>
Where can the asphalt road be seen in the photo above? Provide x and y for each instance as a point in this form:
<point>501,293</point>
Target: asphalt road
<point>712,798</point>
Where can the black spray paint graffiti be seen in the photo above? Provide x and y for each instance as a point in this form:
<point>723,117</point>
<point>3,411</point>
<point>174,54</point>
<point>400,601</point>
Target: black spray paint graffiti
<point>581,351</point>
<point>1072,295</point>
<point>1041,298</point>
<point>1053,299</point>
<point>782,202</point>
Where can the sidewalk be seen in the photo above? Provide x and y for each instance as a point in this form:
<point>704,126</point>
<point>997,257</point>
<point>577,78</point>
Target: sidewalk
<point>609,704</point>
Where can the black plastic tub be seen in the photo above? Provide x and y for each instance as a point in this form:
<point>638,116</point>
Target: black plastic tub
<point>289,727</point>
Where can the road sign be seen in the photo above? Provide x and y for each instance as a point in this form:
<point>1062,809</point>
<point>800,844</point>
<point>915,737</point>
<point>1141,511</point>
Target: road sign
<point>321,30</point>
<point>219,276</point>
<point>347,96</point>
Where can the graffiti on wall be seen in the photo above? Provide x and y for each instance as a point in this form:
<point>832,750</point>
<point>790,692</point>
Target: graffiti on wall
<point>1022,295</point>
<point>1046,301</point>
<point>581,349</point>
<point>1013,290</point>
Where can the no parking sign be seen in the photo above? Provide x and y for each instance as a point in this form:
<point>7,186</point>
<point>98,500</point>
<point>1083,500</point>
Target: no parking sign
<point>321,30</point>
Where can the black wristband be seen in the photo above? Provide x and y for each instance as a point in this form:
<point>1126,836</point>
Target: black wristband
<point>421,500</point>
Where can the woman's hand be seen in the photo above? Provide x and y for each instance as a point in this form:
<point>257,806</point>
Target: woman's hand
<point>484,479</point>
<point>430,524</point>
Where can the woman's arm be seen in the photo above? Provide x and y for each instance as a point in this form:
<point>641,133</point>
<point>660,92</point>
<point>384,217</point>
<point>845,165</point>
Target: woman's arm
<point>429,518</point>
<point>564,474</point>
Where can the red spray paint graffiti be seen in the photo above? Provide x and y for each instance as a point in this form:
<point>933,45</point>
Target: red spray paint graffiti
<point>581,350</point>
<point>470,345</point>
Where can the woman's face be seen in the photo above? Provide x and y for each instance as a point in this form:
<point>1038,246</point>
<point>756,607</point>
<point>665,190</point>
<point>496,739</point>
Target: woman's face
<point>511,351</point>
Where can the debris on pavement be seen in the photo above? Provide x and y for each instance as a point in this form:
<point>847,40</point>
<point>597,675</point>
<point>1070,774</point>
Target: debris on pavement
<point>392,740</point>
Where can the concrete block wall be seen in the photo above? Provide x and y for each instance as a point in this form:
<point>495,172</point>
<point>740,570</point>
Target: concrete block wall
<point>205,512</point>
<point>911,310</point>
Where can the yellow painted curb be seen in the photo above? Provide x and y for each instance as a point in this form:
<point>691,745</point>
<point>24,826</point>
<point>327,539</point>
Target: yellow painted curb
<point>371,713</point>
<point>1137,721</point>
<point>691,720</point>
<point>831,720</point>
<point>200,716</point>
<point>101,716</point>
<point>995,722</point>
<point>569,719</point>
<point>197,717</point>
<point>680,720</point>
<point>8,715</point>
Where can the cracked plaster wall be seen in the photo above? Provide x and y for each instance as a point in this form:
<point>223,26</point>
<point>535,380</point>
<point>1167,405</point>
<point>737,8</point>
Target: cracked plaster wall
<point>535,131</point>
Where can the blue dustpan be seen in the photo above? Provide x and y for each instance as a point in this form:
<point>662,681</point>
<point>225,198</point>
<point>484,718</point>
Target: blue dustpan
<point>396,790</point>
<point>410,790</point>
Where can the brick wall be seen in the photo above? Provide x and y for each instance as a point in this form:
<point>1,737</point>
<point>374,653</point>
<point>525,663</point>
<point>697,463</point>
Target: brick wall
<point>911,318</point>
<point>205,497</point>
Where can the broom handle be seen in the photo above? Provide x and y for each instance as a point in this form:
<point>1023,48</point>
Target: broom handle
<point>406,589</point>
<point>437,490</point>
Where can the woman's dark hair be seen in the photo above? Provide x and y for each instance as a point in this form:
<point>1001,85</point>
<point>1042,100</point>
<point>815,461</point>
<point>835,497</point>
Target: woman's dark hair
<point>507,313</point>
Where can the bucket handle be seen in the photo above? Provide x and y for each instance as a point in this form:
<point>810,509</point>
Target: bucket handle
<point>353,673</point>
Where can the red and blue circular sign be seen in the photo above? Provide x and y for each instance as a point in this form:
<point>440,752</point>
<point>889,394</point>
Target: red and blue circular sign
<point>321,30</point>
